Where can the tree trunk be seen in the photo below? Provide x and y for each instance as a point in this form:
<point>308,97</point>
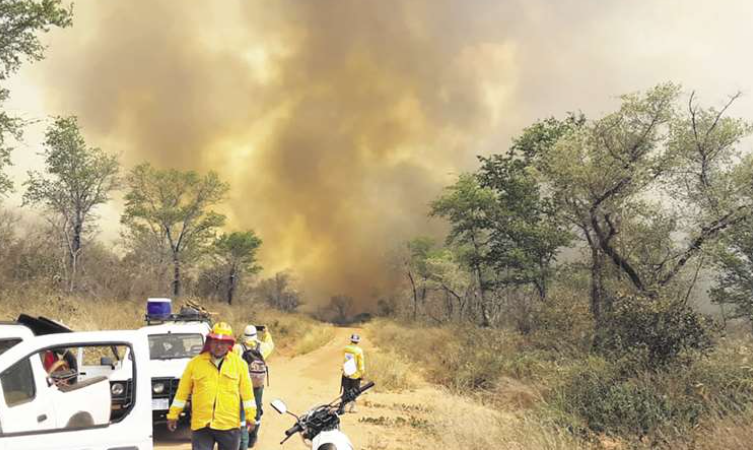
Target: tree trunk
<point>486,321</point>
<point>599,305</point>
<point>540,289</point>
<point>72,273</point>
<point>231,285</point>
<point>74,251</point>
<point>596,287</point>
<point>541,283</point>
<point>76,244</point>
<point>176,275</point>
<point>415,296</point>
<point>449,305</point>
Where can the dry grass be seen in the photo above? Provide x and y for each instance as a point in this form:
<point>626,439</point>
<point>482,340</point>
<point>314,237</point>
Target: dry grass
<point>314,336</point>
<point>722,434</point>
<point>390,371</point>
<point>706,405</point>
<point>294,334</point>
<point>458,422</point>
<point>469,360</point>
<point>83,315</point>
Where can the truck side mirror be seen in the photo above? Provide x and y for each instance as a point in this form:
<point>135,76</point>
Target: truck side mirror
<point>106,361</point>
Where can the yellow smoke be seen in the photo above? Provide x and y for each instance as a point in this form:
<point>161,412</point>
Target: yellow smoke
<point>335,121</point>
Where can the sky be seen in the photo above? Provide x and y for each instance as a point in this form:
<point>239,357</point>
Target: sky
<point>337,122</point>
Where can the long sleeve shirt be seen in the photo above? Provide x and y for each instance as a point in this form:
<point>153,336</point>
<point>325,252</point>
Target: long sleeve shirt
<point>216,392</point>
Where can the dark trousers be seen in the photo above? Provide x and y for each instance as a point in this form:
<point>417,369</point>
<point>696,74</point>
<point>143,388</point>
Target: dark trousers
<point>248,440</point>
<point>205,438</point>
<point>347,385</point>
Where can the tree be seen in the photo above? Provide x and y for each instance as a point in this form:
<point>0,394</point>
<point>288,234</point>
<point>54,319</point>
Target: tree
<point>77,178</point>
<point>20,22</point>
<point>145,263</point>
<point>237,255</point>
<point>526,230</point>
<point>419,249</point>
<point>452,281</point>
<point>734,260</point>
<point>469,208</point>
<point>175,207</point>
<point>279,293</point>
<point>607,172</point>
<point>341,306</point>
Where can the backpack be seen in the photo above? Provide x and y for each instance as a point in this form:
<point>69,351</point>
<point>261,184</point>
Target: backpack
<point>257,367</point>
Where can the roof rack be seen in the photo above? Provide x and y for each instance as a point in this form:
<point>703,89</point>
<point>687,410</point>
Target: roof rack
<point>158,320</point>
<point>190,313</point>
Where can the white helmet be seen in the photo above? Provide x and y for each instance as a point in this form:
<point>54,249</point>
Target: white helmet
<point>249,332</point>
<point>355,338</point>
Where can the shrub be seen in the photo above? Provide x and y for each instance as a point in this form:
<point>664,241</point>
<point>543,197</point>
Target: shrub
<point>390,371</point>
<point>295,334</point>
<point>465,359</point>
<point>598,396</point>
<point>604,402</point>
<point>654,332</point>
<point>464,424</point>
<point>563,323</point>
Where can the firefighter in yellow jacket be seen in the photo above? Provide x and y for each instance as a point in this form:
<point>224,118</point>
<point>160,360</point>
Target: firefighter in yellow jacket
<point>353,370</point>
<point>217,381</point>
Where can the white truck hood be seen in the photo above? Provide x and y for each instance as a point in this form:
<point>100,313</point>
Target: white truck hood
<point>168,368</point>
<point>159,368</point>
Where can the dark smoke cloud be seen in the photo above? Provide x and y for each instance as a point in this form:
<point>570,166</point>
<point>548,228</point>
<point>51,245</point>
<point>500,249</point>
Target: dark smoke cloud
<point>338,121</point>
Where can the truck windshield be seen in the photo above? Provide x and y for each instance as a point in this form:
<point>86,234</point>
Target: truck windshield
<point>175,346</point>
<point>6,344</point>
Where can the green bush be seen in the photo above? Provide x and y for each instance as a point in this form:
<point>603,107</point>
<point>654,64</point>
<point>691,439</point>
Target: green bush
<point>653,333</point>
<point>599,397</point>
<point>607,404</point>
<point>562,324</point>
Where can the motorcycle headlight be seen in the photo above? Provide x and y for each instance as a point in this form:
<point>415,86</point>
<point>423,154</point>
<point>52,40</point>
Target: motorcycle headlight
<point>117,389</point>
<point>158,388</point>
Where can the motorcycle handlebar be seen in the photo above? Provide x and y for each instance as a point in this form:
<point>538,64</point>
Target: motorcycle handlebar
<point>293,430</point>
<point>298,426</point>
<point>366,387</point>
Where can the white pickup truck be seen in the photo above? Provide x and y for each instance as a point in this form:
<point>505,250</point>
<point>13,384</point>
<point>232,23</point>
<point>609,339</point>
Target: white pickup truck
<point>172,344</point>
<point>39,410</point>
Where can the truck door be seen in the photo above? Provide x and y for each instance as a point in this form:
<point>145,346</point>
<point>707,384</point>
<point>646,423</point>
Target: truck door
<point>25,401</point>
<point>87,428</point>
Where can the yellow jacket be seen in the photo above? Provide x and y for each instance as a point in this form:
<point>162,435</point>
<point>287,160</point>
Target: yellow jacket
<point>265,346</point>
<point>215,394</point>
<point>354,351</point>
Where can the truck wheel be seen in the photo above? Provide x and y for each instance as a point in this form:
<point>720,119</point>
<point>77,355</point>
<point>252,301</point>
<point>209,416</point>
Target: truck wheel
<point>80,420</point>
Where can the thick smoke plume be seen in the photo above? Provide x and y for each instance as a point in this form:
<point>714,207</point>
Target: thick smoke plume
<point>336,121</point>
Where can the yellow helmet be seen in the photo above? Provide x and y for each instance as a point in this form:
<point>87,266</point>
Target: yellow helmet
<point>221,331</point>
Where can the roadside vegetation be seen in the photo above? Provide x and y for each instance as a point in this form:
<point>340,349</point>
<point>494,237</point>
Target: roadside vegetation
<point>561,310</point>
<point>546,398</point>
<point>294,333</point>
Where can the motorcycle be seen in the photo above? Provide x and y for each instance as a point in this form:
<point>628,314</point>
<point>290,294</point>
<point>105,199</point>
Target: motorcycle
<point>320,425</point>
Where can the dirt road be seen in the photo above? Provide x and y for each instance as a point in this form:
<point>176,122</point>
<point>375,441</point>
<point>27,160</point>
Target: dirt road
<point>382,420</point>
